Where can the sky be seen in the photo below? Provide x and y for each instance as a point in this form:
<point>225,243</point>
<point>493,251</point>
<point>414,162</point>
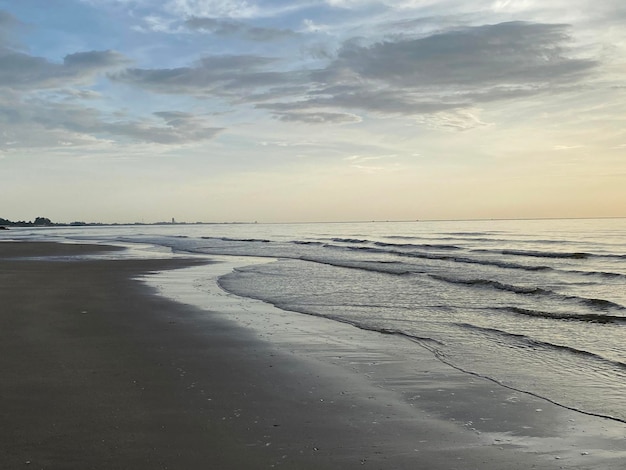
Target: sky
<point>315,110</point>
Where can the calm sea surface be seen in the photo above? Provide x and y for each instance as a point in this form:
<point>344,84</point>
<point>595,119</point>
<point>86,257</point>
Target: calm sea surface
<point>538,306</point>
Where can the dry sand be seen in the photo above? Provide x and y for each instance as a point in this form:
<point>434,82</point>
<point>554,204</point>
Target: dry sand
<point>98,372</point>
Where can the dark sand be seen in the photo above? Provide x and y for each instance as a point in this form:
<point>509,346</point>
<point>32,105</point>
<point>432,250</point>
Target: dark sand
<point>98,372</point>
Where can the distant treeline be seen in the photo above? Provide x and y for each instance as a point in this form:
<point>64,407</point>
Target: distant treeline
<point>38,222</point>
<point>45,222</point>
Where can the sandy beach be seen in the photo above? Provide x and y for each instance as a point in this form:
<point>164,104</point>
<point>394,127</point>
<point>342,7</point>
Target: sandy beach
<point>99,372</point>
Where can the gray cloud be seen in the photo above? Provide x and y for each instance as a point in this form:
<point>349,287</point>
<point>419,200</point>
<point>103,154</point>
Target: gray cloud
<point>384,101</point>
<point>447,71</point>
<point>95,60</point>
<point>514,52</point>
<point>20,70</point>
<point>410,76</point>
<point>219,75</point>
<point>7,22</point>
<point>53,123</point>
<point>317,117</point>
<point>77,94</point>
<point>180,128</point>
<point>223,27</point>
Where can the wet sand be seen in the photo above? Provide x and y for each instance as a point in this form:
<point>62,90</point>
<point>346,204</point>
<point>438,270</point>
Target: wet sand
<point>99,372</point>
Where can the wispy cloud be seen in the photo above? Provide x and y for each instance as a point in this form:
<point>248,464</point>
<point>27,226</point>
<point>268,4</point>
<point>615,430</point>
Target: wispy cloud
<point>319,117</point>
<point>21,70</point>
<point>567,147</point>
<point>213,8</point>
<point>215,75</point>
<point>222,27</point>
<point>410,76</point>
<point>44,123</point>
<point>459,120</point>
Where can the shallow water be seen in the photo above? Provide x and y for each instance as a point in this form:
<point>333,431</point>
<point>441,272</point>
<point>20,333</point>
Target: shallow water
<point>538,306</point>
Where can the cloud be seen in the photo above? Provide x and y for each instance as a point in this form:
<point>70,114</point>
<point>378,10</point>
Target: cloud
<point>365,162</point>
<point>437,73</point>
<point>95,60</point>
<point>319,117</point>
<point>380,101</point>
<point>567,147</point>
<point>282,143</point>
<point>22,71</point>
<point>235,9</point>
<point>213,8</point>
<point>514,52</point>
<point>7,23</point>
<point>46,123</point>
<point>363,158</point>
<point>217,75</point>
<point>77,94</point>
<point>36,123</point>
<point>222,27</point>
<point>157,24</point>
<point>450,70</point>
<point>40,108</point>
<point>180,128</point>
<point>459,120</point>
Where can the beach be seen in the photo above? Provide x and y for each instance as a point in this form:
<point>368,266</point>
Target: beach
<point>100,372</point>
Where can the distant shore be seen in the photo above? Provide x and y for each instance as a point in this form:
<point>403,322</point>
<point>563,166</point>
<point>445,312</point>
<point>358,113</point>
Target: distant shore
<point>101,373</point>
<point>34,224</point>
<point>4,223</point>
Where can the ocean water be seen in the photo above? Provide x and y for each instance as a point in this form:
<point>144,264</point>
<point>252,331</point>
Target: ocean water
<point>538,306</point>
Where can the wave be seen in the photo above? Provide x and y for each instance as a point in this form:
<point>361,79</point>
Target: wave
<point>344,263</point>
<point>547,254</point>
<point>371,266</point>
<point>349,240</point>
<point>427,246</point>
<point>558,254</point>
<point>362,326</point>
<point>585,317</point>
<point>484,262</point>
<point>501,264</point>
<point>470,234</point>
<point>402,269</point>
<point>605,274</point>
<point>493,284</point>
<point>532,342</point>
<point>442,257</point>
<point>597,304</point>
<point>398,247</point>
<point>227,239</point>
<point>436,246</point>
<point>481,262</point>
<point>398,268</point>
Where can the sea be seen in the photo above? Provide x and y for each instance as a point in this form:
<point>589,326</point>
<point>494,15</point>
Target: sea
<point>538,306</point>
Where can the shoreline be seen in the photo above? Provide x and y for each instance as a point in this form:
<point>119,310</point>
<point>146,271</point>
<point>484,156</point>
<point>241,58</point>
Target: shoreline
<point>411,370</point>
<point>101,372</point>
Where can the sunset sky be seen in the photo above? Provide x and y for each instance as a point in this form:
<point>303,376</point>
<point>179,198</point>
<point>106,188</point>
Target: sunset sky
<point>315,110</point>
